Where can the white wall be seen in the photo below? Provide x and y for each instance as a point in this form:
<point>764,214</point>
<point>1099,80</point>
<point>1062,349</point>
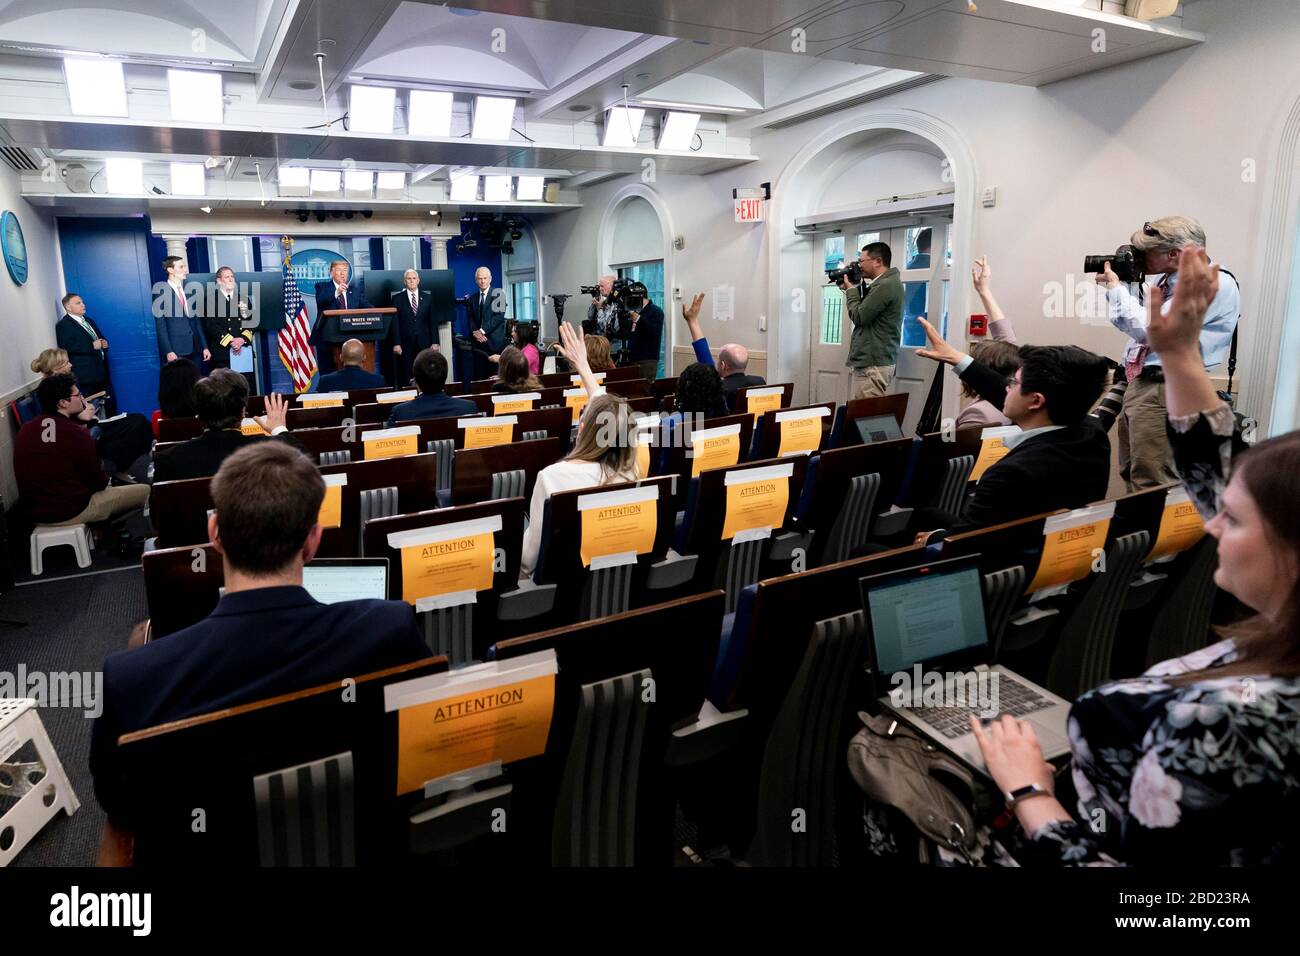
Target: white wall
<point>1078,164</point>
<point>27,312</point>
<point>638,237</point>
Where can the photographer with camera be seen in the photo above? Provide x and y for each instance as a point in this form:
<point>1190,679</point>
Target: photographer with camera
<point>876,311</point>
<point>608,313</point>
<point>647,331</point>
<point>1145,457</point>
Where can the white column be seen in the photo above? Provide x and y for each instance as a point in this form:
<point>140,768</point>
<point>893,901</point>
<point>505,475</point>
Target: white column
<point>176,246</point>
<point>444,331</point>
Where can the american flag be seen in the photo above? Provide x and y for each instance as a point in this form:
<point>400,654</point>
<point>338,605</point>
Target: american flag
<point>295,348</point>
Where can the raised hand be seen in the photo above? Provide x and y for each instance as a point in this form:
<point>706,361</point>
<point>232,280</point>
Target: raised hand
<point>1178,329</point>
<point>276,413</point>
<point>692,313</point>
<point>981,275</point>
<point>938,349</point>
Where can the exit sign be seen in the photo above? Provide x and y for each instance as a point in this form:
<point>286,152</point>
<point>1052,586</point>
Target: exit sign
<point>749,210</point>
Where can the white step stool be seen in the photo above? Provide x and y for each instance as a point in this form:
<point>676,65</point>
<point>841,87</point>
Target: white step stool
<point>49,536</point>
<point>38,803</point>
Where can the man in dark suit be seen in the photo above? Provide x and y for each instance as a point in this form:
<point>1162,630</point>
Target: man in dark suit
<point>1061,458</point>
<point>733,360</point>
<point>335,293</point>
<point>647,334</point>
<point>486,309</point>
<point>413,331</point>
<point>267,636</point>
<point>180,334</point>
<point>78,335</point>
<point>228,323</point>
<point>219,400</point>
<point>432,402</point>
<point>351,375</point>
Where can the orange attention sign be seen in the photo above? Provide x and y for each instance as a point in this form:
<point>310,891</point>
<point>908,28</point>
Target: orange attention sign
<point>760,400</point>
<point>647,427</point>
<point>323,399</point>
<point>618,525</point>
<point>756,502</point>
<point>714,448</point>
<point>523,402</point>
<point>482,432</point>
<point>993,448</point>
<point>1180,525</point>
<point>447,565</point>
<point>449,723</point>
<point>249,426</point>
<point>801,430</point>
<point>331,508</point>
<point>1071,543</point>
<point>576,399</point>
<point>390,398</point>
<point>390,442</point>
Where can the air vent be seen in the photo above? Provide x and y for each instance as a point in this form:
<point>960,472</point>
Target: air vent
<point>18,158</point>
<point>884,91</point>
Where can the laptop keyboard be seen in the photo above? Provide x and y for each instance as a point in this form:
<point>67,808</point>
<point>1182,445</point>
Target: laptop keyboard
<point>1014,698</point>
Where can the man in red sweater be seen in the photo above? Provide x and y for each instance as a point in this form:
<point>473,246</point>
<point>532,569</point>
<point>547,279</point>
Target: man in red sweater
<point>58,471</point>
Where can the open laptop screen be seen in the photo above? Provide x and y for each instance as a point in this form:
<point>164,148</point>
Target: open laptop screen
<point>924,613</point>
<point>330,583</point>
<point>876,428</point>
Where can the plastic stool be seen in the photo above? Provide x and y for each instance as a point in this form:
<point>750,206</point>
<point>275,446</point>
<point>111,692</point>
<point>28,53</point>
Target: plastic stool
<point>49,536</point>
<point>39,800</point>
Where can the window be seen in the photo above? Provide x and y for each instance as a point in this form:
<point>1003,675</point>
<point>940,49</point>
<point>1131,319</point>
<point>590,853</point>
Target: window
<point>524,297</point>
<point>401,252</point>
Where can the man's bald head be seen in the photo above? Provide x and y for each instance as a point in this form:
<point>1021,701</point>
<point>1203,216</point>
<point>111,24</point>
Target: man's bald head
<point>732,358</point>
<point>353,352</point>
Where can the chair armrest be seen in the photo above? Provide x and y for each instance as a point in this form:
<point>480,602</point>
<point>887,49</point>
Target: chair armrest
<point>525,602</point>
<point>889,523</point>
<point>671,572</point>
<point>710,734</point>
<point>785,545</point>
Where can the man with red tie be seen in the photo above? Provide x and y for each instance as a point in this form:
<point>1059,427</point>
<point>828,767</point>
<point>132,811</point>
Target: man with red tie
<point>336,293</point>
<point>180,333</point>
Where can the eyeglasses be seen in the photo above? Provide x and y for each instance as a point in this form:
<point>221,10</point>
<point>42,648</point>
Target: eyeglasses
<point>1012,380</point>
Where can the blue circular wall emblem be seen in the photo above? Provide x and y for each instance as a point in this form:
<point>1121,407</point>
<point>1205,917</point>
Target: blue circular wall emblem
<point>313,265</point>
<point>13,247</point>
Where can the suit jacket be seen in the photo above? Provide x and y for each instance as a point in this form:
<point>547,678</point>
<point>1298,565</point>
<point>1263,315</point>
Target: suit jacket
<point>413,329</point>
<point>492,323</point>
<point>736,381</point>
<point>178,326</point>
<point>225,324</point>
<point>327,298</point>
<point>256,644</point>
<point>436,405</point>
<point>1065,468</point>
<point>644,343</point>
<point>201,456</point>
<point>89,365</point>
<point>348,378</point>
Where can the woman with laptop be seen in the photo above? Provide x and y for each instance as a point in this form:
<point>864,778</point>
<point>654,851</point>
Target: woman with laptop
<point>1198,760</point>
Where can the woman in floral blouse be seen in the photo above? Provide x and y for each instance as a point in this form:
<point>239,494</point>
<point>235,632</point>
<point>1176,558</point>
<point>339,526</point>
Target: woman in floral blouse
<point>1198,760</point>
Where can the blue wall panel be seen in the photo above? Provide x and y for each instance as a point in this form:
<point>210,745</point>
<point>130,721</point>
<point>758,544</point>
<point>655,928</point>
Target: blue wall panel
<point>106,261</point>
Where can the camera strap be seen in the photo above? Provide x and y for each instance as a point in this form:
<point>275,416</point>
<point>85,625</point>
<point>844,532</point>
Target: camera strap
<point>1232,349</point>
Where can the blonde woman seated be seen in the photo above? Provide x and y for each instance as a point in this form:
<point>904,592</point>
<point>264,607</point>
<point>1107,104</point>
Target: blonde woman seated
<point>603,454</point>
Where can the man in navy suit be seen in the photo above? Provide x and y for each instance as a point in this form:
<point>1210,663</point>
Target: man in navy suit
<point>432,402</point>
<point>486,311</point>
<point>351,375</point>
<point>78,335</point>
<point>180,333</point>
<point>267,636</point>
<point>413,331</point>
<point>335,293</point>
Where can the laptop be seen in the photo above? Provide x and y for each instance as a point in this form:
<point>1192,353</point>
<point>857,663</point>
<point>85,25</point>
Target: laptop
<point>929,651</point>
<point>331,580</point>
<point>874,428</point>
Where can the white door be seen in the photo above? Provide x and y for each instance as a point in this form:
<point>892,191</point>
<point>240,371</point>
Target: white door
<point>923,257</point>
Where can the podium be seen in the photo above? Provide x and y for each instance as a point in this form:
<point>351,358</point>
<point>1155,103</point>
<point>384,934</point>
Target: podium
<point>368,326</point>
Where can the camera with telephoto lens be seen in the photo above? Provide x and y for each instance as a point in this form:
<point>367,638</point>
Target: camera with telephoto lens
<point>852,271</point>
<point>625,296</point>
<point>1128,264</point>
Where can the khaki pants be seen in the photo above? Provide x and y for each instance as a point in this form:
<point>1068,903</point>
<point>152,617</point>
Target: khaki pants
<point>110,503</point>
<point>1145,457</point>
<point>871,381</point>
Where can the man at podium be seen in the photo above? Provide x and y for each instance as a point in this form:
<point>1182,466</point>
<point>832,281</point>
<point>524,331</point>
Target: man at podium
<point>335,293</point>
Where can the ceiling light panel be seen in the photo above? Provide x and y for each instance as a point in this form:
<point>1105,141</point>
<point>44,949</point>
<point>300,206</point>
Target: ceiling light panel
<point>195,97</point>
<point>187,179</point>
<point>370,109</point>
<point>493,117</point>
<point>96,87</point>
<point>428,113</point>
<point>623,126</point>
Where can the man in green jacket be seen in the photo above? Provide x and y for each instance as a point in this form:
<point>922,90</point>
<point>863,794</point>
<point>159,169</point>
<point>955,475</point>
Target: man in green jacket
<point>877,315</point>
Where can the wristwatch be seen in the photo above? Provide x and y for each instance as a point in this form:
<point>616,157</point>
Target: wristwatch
<point>1026,792</point>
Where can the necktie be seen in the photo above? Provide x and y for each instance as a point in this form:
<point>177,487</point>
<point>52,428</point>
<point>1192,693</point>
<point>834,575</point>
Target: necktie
<point>414,304</point>
<point>343,295</point>
<point>181,296</point>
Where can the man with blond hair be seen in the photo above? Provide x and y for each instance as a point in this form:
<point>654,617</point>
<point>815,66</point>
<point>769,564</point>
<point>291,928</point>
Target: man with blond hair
<point>334,293</point>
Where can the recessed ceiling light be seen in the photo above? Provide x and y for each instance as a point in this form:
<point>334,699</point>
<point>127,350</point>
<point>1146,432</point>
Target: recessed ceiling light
<point>644,76</point>
<point>302,85</point>
<point>370,109</point>
<point>579,108</point>
<point>96,87</point>
<point>493,117</point>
